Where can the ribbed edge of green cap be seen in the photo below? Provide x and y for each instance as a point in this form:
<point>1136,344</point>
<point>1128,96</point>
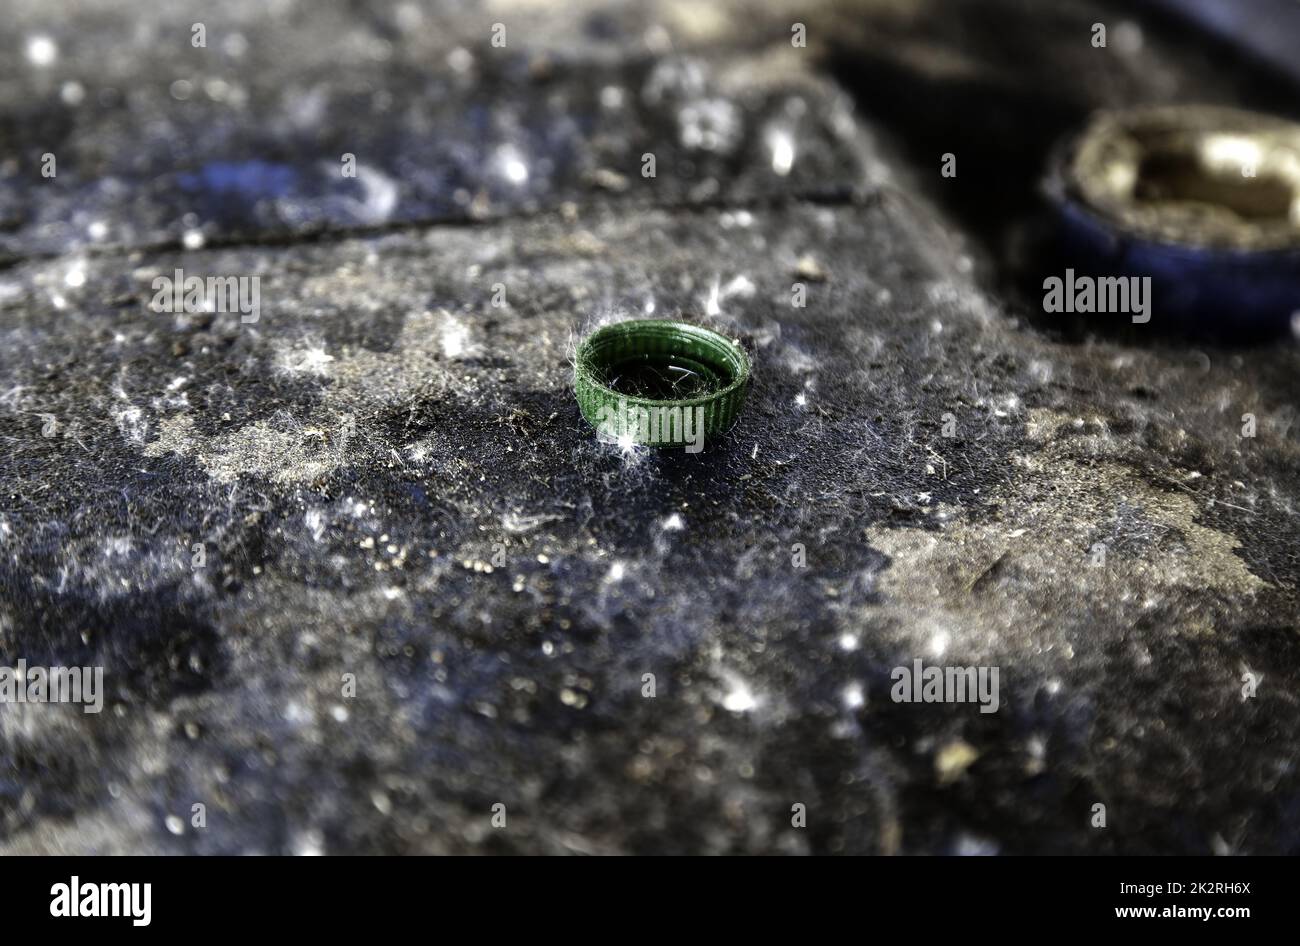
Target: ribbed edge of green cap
<point>655,341</point>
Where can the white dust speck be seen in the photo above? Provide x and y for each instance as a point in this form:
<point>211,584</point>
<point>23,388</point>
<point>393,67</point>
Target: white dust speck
<point>710,125</point>
<point>305,360</point>
<point>739,698</point>
<point>741,286</point>
<point>41,50</point>
<point>132,424</point>
<point>711,306</point>
<point>782,145</point>
<point>314,519</point>
<point>460,59</point>
<point>454,338</point>
<point>519,523</point>
<point>512,165</point>
<point>970,846</point>
<point>381,194</point>
<point>308,843</point>
<point>1127,38</point>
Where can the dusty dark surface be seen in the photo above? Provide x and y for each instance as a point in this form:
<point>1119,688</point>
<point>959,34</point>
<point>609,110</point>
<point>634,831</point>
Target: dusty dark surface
<point>355,461</point>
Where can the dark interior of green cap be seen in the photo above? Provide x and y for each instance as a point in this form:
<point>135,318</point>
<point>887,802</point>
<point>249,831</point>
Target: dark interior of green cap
<point>662,361</point>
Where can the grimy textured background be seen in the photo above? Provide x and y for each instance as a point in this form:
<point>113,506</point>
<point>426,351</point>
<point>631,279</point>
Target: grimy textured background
<point>352,462</point>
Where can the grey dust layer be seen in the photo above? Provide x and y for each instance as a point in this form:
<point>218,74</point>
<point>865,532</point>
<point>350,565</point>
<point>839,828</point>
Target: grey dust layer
<point>387,475</point>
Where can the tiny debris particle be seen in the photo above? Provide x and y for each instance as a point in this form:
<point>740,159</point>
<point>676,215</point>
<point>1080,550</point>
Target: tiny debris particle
<point>809,269</point>
<point>609,180</point>
<point>41,50</point>
<point>739,698</point>
<point>573,698</point>
<point>953,759</point>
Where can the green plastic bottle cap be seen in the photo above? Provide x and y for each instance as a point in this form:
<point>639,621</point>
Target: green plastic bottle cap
<point>660,383</point>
